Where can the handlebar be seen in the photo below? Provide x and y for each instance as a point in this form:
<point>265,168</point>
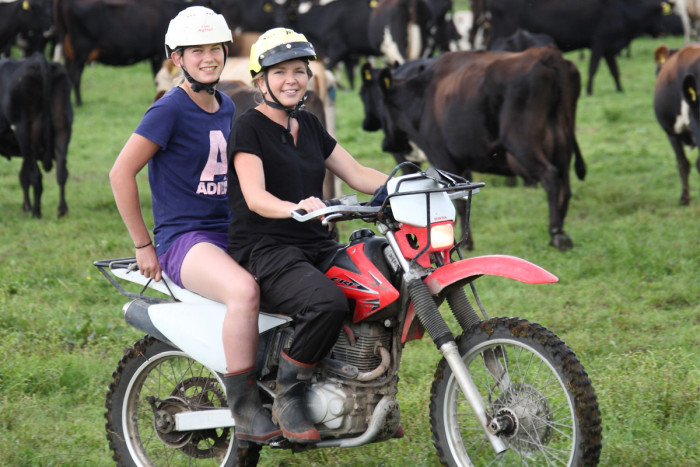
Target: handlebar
<point>347,207</point>
<point>334,212</point>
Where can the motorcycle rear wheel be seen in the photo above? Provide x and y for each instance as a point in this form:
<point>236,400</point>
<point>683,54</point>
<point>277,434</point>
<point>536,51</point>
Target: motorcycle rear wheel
<point>534,386</point>
<point>153,376</point>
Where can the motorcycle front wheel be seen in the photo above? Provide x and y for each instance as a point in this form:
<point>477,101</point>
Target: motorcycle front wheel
<point>539,400</point>
<point>153,381</point>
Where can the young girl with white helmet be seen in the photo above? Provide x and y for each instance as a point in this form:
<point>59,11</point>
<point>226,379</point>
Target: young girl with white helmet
<point>182,137</point>
<point>278,157</point>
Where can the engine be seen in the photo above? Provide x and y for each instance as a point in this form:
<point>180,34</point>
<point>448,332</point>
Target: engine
<point>354,381</point>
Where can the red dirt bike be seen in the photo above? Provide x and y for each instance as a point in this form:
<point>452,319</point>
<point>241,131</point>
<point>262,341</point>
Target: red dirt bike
<point>507,391</point>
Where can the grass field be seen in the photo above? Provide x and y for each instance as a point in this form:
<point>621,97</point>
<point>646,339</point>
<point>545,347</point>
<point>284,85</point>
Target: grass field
<point>628,300</point>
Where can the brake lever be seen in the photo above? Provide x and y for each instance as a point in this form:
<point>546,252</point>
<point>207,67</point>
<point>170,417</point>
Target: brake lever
<point>330,217</point>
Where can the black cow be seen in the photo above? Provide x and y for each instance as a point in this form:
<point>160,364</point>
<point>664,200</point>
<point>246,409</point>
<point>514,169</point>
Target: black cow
<point>605,27</point>
<point>32,19</point>
<point>676,104</point>
<point>113,32</point>
<point>35,122</point>
<point>491,112</point>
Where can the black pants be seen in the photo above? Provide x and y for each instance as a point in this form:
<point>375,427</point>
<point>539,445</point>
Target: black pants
<point>291,284</point>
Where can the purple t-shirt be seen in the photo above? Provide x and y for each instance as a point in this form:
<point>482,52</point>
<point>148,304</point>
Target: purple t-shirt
<point>188,174</point>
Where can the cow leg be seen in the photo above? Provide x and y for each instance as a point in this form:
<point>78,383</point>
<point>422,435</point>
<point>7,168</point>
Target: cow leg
<point>62,122</point>
<point>30,175</point>
<point>350,66</point>
<point>61,178</point>
<point>614,71</point>
<point>697,164</point>
<point>558,200</point>
<point>683,168</point>
<point>592,68</point>
<point>75,72</point>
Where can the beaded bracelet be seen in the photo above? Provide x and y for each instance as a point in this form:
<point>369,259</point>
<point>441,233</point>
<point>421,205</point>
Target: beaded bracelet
<point>150,242</point>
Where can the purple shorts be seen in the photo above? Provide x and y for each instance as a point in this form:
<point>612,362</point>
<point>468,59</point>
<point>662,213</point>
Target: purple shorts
<point>171,260</point>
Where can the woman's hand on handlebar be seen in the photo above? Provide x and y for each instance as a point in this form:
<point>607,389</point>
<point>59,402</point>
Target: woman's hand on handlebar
<point>311,204</point>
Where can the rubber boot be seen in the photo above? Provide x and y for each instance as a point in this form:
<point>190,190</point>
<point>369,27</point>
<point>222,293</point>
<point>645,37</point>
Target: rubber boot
<point>253,422</point>
<point>289,408</point>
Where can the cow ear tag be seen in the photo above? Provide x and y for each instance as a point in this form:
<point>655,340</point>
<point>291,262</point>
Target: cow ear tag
<point>692,94</point>
<point>267,7</point>
<point>367,75</point>
<point>666,8</point>
<point>387,82</point>
<point>25,5</point>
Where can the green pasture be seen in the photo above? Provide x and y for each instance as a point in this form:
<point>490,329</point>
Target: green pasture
<point>628,299</point>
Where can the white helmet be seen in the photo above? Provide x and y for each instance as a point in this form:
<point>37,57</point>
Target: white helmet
<point>196,25</point>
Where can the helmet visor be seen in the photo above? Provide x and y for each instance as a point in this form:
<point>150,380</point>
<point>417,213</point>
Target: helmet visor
<point>285,52</point>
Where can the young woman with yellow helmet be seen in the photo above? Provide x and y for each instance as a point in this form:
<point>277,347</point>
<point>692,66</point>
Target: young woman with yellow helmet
<point>278,157</point>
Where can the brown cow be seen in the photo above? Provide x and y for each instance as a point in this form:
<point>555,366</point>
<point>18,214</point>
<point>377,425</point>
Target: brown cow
<point>676,104</point>
<point>492,112</point>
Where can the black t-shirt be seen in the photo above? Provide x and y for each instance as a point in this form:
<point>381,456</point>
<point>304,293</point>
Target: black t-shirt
<point>292,173</point>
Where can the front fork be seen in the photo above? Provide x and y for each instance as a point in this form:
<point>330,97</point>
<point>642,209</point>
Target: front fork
<point>432,321</point>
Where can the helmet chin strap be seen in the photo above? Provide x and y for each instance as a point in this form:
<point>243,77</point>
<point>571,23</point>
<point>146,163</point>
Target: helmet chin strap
<point>197,86</point>
<point>290,111</point>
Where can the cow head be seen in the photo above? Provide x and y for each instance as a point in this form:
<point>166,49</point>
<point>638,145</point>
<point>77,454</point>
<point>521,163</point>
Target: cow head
<point>646,17</point>
<point>376,86</point>
<point>661,55</point>
<point>371,99</point>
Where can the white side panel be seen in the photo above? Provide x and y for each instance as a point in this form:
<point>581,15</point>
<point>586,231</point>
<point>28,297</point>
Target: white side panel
<point>197,329</point>
<point>194,329</point>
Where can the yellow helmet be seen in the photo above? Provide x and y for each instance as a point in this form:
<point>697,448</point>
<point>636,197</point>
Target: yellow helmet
<point>279,45</point>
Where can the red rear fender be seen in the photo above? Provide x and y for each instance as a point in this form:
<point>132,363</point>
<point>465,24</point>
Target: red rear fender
<point>491,265</point>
